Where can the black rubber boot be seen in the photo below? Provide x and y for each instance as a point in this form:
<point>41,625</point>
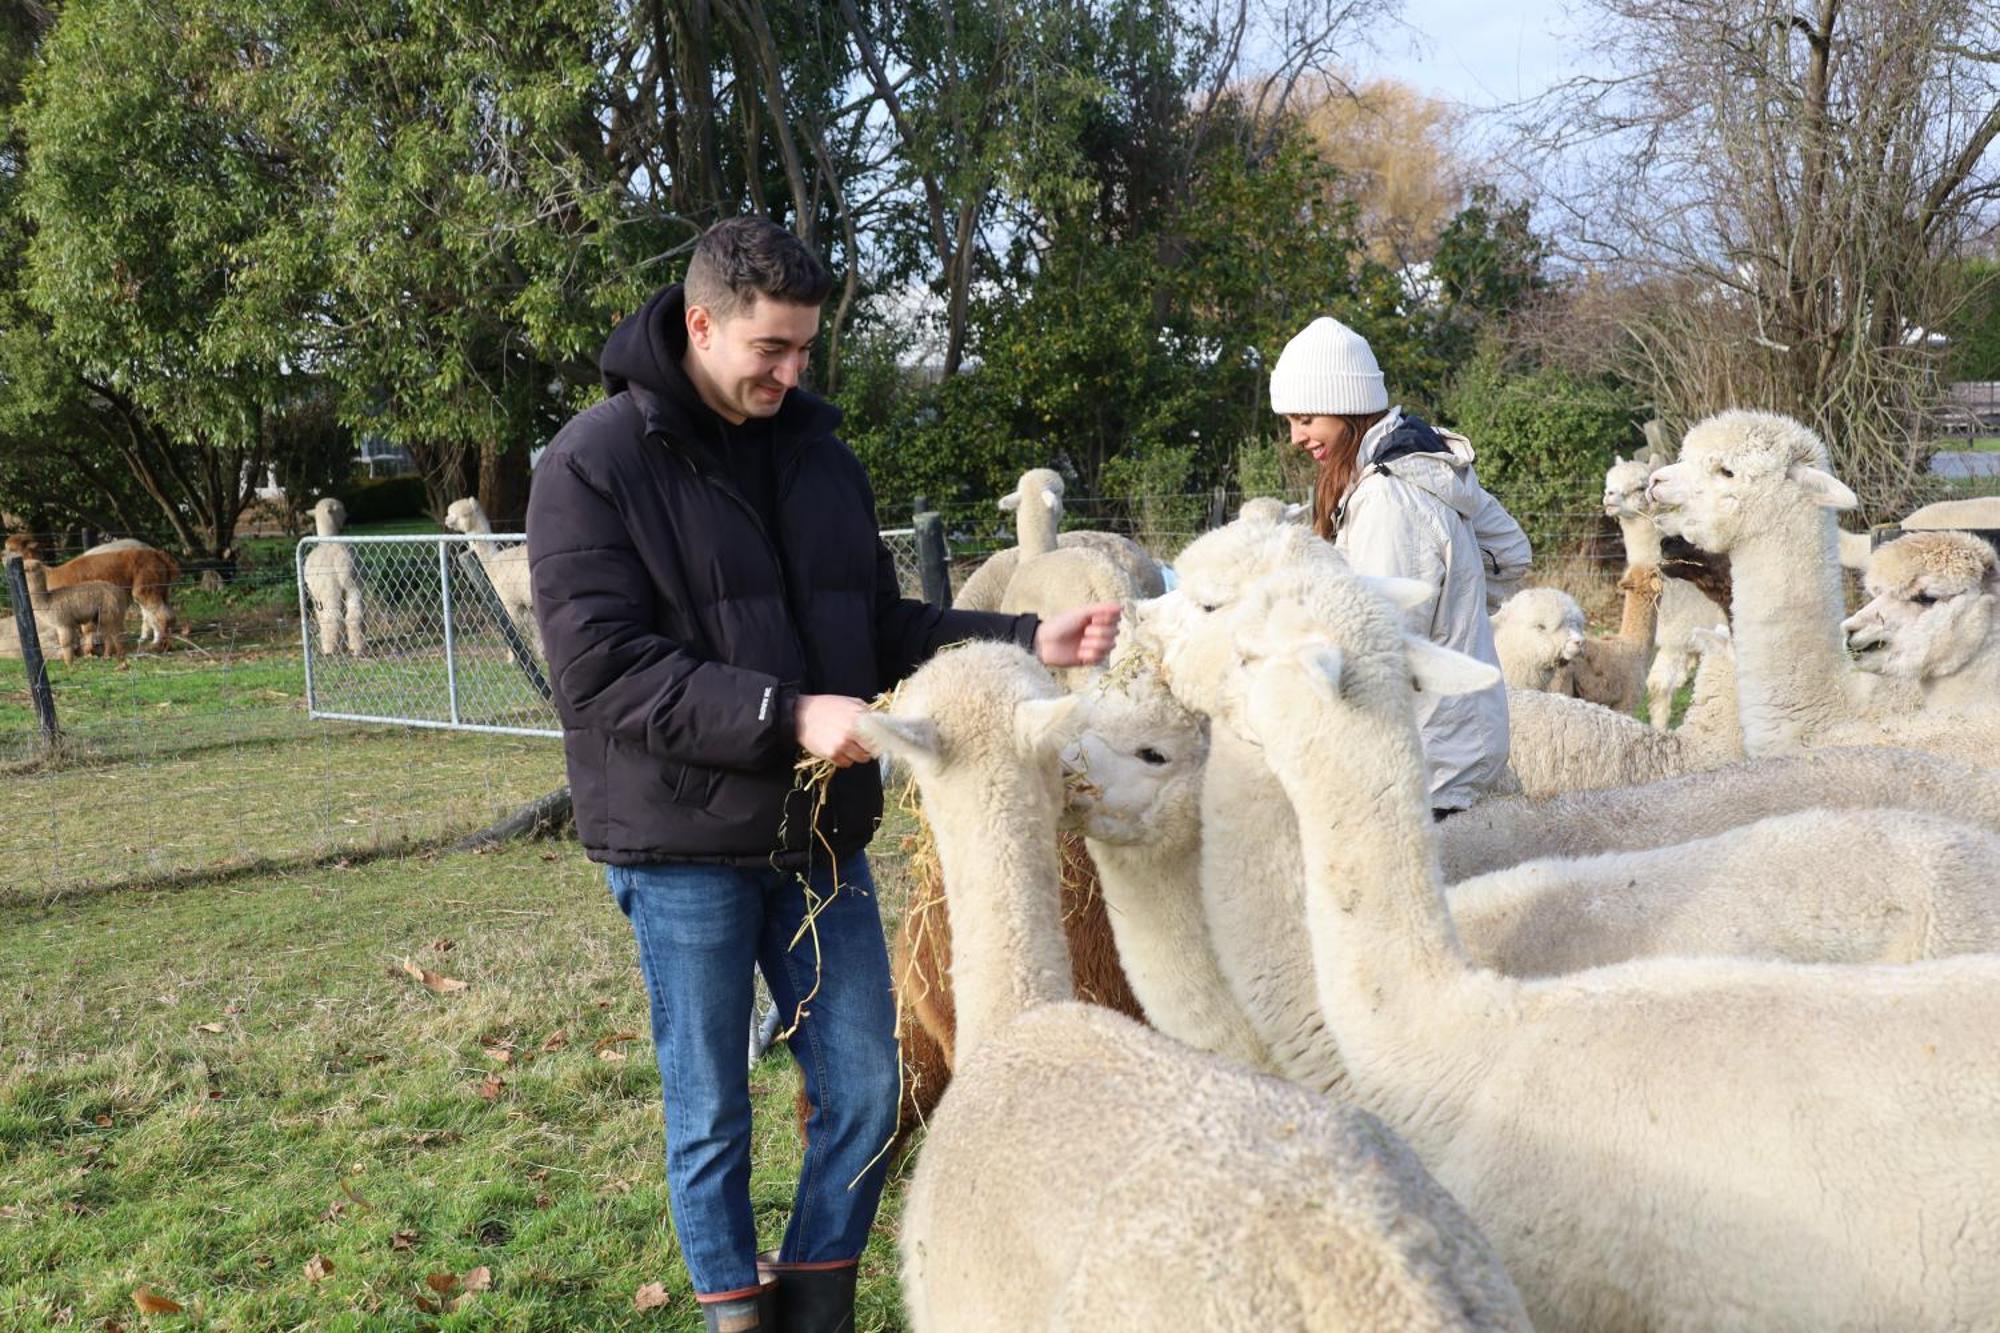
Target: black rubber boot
<point>817,1300</point>
<point>746,1314</point>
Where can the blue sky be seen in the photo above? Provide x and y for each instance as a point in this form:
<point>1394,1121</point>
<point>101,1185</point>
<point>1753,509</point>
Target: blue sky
<point>1480,53</point>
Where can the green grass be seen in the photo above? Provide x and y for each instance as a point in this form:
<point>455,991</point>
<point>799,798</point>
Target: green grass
<point>139,1147</point>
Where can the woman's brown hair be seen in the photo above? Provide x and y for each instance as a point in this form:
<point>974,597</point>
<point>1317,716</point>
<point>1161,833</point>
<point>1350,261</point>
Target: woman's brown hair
<point>1337,473</point>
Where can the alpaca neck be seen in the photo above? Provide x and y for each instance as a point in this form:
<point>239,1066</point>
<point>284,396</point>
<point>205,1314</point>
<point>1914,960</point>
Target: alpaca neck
<point>1792,674</point>
<point>1383,945</point>
<point>1153,893</point>
<point>1974,685</point>
<point>1711,733</point>
<point>1642,540</point>
<point>324,525</point>
<point>1035,526</point>
<point>476,521</point>
<point>1639,619</point>
<point>996,841</point>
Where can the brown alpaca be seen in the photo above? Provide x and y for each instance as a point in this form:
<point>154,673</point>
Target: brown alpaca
<point>77,611</point>
<point>1682,559</point>
<point>149,574</point>
<point>920,963</point>
<point>1612,671</point>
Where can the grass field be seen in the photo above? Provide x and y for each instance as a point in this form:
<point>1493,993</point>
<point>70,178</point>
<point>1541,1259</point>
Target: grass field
<point>204,1090</point>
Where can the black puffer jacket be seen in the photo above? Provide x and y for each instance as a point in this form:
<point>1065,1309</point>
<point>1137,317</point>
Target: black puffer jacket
<point>680,630</point>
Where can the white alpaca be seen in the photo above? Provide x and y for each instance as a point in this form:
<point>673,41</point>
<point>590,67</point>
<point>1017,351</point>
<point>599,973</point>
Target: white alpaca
<point>1085,1172</point>
<point>1679,1143</point>
<point>1265,509</point>
<point>1560,744</point>
<point>1509,830</point>
<point>333,581</point>
<point>1036,503</point>
<point>1754,486</point>
<point>1684,608</point>
<point>1821,886</point>
<point>1930,618</point>
<point>1979,513</point>
<point>506,568</point>
<point>1537,633</point>
<point>1136,790</point>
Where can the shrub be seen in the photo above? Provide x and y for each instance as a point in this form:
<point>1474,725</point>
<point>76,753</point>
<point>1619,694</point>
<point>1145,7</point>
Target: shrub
<point>385,499</point>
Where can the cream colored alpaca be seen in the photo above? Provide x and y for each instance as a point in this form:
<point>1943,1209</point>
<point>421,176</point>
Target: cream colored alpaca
<point>1537,633</point>
<point>1036,503</point>
<point>1930,619</point>
<point>1136,790</point>
<point>79,613</point>
<point>1507,831</point>
<point>506,568</point>
<point>1754,486</point>
<point>1558,744</point>
<point>333,580</point>
<point>1085,1172</point>
<point>1684,608</point>
<point>1265,509</point>
<point>1822,886</point>
<point>1612,670</point>
<point>1664,1144</point>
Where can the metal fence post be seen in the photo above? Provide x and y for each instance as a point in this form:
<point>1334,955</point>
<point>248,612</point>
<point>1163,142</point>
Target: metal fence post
<point>1218,508</point>
<point>933,559</point>
<point>31,653</point>
<point>450,649</point>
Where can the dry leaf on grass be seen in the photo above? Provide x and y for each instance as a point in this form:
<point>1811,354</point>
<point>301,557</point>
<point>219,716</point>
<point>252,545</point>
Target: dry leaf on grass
<point>499,1055</point>
<point>353,1194</point>
<point>208,1027</point>
<point>557,1040</point>
<point>491,1088</point>
<point>318,1267</point>
<point>442,985</point>
<point>611,1057</point>
<point>151,1302</point>
<point>615,1039</point>
<point>652,1296</point>
<point>479,1279</point>
<point>441,1283</point>
<point>403,1240</point>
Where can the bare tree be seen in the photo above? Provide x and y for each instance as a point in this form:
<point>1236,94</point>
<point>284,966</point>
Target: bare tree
<point>1780,190</point>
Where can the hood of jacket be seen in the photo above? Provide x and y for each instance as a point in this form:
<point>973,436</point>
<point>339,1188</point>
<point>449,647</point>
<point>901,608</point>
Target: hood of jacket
<point>643,356</point>
<point>1412,450</point>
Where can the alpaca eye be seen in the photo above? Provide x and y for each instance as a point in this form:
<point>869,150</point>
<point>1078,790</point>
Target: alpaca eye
<point>1724,471</point>
<point>1209,606</point>
<point>1151,756</point>
<point>1925,599</point>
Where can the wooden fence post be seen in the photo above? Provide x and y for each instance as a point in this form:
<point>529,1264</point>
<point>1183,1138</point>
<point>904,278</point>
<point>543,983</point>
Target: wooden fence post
<point>31,653</point>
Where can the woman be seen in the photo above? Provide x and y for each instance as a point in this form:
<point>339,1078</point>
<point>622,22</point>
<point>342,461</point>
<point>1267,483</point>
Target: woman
<point>1396,496</point>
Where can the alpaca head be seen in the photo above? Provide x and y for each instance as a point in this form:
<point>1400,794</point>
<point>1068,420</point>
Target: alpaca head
<point>1932,598</point>
<point>1537,632</point>
<point>329,517</point>
<point>1136,767</point>
<point>1038,486</point>
<point>23,545</point>
<point>1337,636</point>
<point>466,516</point>
<point>1264,509</point>
<point>1625,487</point>
<point>980,709</point>
<point>1739,475</point>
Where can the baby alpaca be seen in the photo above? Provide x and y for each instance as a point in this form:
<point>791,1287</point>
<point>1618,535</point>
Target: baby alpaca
<point>81,608</point>
<point>1674,1143</point>
<point>1931,618</point>
<point>1537,632</point>
<point>333,581</point>
<point>1612,671</point>
<point>1086,1172</point>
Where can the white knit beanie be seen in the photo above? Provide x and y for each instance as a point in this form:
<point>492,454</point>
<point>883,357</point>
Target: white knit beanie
<point>1328,368</point>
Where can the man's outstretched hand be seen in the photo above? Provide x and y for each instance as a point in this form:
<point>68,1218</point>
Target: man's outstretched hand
<point>825,724</point>
<point>1082,637</point>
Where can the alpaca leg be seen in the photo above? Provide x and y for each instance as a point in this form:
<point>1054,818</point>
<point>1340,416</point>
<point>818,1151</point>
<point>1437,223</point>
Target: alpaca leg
<point>329,628</point>
<point>353,603</point>
<point>66,637</point>
<point>111,628</point>
<point>1668,673</point>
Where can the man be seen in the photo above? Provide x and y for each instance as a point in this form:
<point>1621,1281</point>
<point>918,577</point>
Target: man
<point>714,600</point>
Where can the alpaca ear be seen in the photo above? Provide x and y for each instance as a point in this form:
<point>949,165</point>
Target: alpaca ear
<point>1441,671</point>
<point>1045,726</point>
<point>1404,594</point>
<point>1051,501</point>
<point>906,738</point>
<point>1827,491</point>
<point>1010,501</point>
<point>1618,460</point>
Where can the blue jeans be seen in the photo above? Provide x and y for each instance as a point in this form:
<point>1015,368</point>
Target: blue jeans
<point>700,929</point>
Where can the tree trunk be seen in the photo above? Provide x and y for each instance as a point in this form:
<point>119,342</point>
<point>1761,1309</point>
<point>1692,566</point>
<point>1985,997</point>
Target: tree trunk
<point>503,485</point>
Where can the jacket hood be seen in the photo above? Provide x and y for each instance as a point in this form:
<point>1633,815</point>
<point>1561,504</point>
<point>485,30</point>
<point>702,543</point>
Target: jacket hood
<point>644,354</point>
<point>1438,462</point>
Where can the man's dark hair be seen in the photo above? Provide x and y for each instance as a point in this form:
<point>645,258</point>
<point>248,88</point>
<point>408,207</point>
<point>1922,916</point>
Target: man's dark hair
<point>740,259</point>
